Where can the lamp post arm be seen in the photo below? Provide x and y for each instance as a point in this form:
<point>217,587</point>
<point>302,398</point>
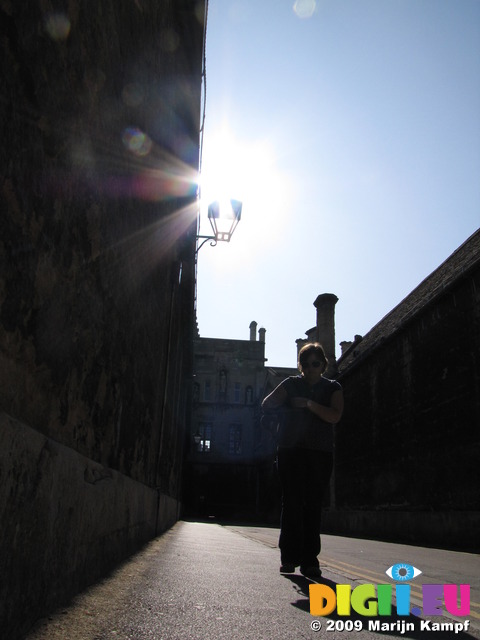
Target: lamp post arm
<point>204,240</point>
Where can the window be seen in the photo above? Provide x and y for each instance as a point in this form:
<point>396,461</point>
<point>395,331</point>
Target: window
<point>236,392</point>
<point>235,439</point>
<point>205,433</point>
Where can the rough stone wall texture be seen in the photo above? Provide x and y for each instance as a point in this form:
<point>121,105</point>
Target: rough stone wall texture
<point>99,116</point>
<point>409,438</point>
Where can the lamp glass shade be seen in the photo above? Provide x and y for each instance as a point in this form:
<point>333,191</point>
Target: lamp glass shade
<point>224,217</point>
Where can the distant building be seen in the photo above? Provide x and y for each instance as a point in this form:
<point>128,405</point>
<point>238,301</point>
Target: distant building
<point>228,449</point>
<point>230,461</point>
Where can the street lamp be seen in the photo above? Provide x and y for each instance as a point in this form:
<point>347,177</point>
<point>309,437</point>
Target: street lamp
<point>224,217</point>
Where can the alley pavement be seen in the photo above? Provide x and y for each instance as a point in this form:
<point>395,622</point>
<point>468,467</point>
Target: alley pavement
<point>202,580</point>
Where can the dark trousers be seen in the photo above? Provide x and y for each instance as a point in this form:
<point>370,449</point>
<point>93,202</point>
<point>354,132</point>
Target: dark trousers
<point>304,476</point>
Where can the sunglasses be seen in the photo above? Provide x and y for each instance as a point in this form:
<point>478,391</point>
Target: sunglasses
<point>315,364</point>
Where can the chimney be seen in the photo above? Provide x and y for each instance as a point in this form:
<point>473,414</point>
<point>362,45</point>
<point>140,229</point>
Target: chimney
<point>261,334</point>
<point>325,334</point>
<point>346,344</point>
<point>253,331</point>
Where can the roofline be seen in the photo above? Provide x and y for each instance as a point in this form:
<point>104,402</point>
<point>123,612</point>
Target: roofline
<point>409,316</point>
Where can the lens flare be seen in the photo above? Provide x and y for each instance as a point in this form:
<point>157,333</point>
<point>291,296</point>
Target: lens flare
<point>136,141</point>
<point>248,171</point>
<point>304,8</point>
<point>57,25</point>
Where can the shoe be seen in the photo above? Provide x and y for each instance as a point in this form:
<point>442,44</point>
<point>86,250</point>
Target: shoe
<point>311,572</point>
<point>287,567</point>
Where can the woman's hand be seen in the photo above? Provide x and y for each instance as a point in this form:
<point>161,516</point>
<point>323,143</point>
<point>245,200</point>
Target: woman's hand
<point>331,414</point>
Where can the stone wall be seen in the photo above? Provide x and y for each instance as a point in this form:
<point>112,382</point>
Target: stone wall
<point>100,115</point>
<point>409,439</point>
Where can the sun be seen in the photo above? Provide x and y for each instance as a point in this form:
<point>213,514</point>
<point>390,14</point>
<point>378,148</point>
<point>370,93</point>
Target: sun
<point>245,170</point>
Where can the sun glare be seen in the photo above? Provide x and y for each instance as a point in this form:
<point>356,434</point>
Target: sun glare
<point>245,171</point>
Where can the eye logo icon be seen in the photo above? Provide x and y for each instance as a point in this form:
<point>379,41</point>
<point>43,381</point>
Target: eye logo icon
<point>402,572</point>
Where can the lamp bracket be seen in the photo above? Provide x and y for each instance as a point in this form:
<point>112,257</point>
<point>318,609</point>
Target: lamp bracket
<point>205,239</point>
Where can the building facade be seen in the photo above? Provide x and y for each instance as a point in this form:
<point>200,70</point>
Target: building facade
<point>231,455</point>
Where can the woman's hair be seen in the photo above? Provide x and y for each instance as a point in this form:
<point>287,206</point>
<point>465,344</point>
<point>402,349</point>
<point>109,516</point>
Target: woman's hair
<point>307,350</point>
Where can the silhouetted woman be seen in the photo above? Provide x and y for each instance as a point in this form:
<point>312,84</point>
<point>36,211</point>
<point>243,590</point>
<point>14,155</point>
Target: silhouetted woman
<point>310,405</point>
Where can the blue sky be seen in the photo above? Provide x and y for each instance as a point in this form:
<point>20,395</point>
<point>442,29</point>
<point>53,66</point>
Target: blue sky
<point>350,130</point>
